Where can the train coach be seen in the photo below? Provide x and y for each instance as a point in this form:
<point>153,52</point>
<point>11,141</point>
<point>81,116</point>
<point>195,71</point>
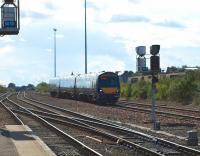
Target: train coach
<point>96,87</point>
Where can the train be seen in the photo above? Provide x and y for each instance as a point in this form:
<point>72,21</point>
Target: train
<point>103,87</point>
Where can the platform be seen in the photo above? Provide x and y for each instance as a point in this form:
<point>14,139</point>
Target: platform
<point>18,140</point>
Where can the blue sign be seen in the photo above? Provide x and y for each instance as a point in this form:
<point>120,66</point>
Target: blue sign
<point>9,24</point>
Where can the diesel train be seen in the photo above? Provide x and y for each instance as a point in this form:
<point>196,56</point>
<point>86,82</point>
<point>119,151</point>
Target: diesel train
<point>96,87</point>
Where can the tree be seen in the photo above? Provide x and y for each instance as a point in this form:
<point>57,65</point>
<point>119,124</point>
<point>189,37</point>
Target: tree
<point>30,87</point>
<point>42,87</point>
<point>12,86</point>
<point>2,89</point>
<point>130,73</point>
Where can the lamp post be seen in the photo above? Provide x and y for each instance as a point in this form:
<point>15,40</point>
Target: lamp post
<point>85,37</point>
<point>54,29</point>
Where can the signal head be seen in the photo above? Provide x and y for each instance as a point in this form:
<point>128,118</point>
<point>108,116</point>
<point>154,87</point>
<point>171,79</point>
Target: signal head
<point>141,50</point>
<point>154,49</point>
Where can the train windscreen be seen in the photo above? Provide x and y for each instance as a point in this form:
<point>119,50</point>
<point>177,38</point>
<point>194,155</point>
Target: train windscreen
<point>109,81</point>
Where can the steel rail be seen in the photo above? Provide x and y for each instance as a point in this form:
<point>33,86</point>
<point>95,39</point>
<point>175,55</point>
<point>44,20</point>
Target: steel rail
<point>85,150</point>
<point>159,106</point>
<point>121,107</point>
<point>164,142</point>
<point>16,118</point>
<point>72,119</point>
<point>2,96</point>
<point>114,138</point>
<point>158,112</point>
<point>99,121</point>
<point>60,109</point>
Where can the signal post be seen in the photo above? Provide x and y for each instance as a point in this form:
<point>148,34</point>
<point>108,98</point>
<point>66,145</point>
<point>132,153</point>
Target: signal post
<point>155,69</point>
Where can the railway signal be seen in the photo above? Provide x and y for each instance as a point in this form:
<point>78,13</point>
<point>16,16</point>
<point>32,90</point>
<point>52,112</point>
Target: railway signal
<point>155,64</point>
<point>155,69</point>
<point>141,59</point>
<point>154,49</point>
<point>10,17</point>
<point>155,59</point>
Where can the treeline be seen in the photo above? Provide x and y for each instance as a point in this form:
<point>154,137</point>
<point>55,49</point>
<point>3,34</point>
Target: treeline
<point>41,87</point>
<point>185,89</point>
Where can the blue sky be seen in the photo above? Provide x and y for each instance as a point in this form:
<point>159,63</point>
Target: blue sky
<point>115,28</point>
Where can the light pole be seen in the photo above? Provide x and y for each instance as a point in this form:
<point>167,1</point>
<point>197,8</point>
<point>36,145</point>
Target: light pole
<point>85,37</point>
<point>54,29</point>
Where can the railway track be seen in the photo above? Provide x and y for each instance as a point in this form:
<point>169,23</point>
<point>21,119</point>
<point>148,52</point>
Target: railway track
<point>162,106</point>
<point>7,116</point>
<point>161,110</point>
<point>163,147</point>
<point>131,106</point>
<point>115,139</point>
<point>49,132</point>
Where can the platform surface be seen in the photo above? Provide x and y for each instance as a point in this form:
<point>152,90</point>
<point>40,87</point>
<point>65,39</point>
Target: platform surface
<point>7,148</point>
<point>18,140</point>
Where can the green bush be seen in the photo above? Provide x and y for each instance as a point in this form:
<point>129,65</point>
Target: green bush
<point>196,99</point>
<point>162,89</point>
<point>123,87</point>
<point>141,90</point>
<point>42,87</point>
<point>126,90</point>
<point>3,89</point>
<point>185,89</point>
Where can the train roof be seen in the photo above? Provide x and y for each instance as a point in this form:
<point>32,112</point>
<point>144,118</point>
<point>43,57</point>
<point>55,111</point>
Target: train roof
<point>83,75</point>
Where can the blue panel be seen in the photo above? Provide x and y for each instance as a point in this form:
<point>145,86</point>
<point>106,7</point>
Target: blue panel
<point>9,24</point>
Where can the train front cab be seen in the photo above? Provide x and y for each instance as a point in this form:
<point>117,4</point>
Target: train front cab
<point>108,88</point>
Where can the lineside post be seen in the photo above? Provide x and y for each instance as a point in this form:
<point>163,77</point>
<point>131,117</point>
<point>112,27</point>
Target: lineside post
<point>85,37</point>
<point>55,30</point>
<point>155,69</point>
<point>156,123</point>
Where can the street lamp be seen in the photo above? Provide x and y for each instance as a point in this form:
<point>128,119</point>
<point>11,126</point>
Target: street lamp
<point>54,29</point>
<point>85,37</point>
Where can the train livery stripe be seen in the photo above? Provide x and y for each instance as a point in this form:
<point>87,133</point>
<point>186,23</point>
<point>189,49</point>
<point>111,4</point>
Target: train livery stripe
<point>109,90</point>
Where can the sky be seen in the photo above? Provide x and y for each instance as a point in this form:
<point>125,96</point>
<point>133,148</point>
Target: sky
<point>115,28</point>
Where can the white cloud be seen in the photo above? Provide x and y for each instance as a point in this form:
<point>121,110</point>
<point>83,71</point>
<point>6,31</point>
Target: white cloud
<point>4,82</point>
<point>171,23</point>
<point>60,36</point>
<point>105,63</point>
<point>48,50</point>
<point>21,39</point>
<point>6,50</point>
<point>163,17</point>
<point>71,14</point>
<point>7,39</point>
<point>9,59</point>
